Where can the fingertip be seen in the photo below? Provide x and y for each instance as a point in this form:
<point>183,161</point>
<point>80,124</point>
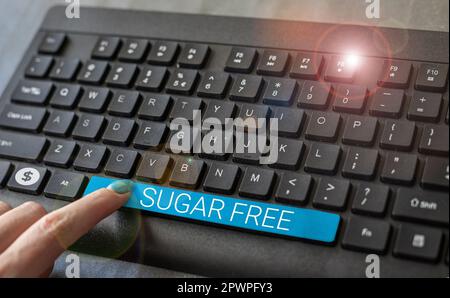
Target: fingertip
<point>122,187</point>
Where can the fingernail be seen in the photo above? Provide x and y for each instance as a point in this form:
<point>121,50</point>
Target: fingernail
<point>121,186</point>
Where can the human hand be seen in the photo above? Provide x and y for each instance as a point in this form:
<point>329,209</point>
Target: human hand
<point>31,240</point>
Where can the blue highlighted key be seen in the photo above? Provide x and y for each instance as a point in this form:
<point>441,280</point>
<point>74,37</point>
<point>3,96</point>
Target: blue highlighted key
<point>243,214</point>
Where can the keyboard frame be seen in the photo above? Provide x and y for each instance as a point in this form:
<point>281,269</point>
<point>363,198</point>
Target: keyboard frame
<point>215,251</point>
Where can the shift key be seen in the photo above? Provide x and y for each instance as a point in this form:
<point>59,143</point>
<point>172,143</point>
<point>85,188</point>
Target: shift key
<point>22,118</point>
<point>423,207</point>
<point>21,147</point>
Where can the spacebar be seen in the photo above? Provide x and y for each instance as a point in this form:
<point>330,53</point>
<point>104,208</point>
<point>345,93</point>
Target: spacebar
<point>242,214</point>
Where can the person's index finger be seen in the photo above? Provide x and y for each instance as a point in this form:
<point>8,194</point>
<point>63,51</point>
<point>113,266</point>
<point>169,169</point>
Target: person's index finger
<point>43,242</point>
<point>71,222</point>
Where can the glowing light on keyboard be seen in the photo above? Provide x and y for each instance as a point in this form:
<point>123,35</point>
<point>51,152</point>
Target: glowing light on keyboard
<point>352,60</point>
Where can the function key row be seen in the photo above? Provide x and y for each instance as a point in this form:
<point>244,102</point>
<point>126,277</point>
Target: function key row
<point>310,66</point>
<point>160,53</point>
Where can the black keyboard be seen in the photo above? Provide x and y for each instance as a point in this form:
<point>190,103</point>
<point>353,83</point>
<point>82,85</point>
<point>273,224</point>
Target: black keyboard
<point>362,154</point>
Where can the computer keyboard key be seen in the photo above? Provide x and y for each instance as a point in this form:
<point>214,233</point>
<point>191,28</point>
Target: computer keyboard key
<point>95,100</point>
<point>273,63</point>
<point>90,158</point>
<point>395,74</point>
<point>122,163</point>
<point>151,78</point>
<point>23,118</point>
<point>65,69</point>
<point>155,107</point>
<point>222,178</point>
<point>421,206</point>
<point>323,159</point>
<point>194,56</point>
<point>341,69</point>
<point>52,43</point>
<point>435,173</point>
<point>61,153</point>
<point>154,168</point>
<point>28,179</point>
<point>246,88</point>
<point>6,169</point>
<point>119,132</point>
<point>367,235</point>
<point>290,121</point>
<point>287,155</point>
<point>350,99</point>
<point>360,163</point>
<point>332,194</point>
<point>89,127</point>
<point>399,168</point>
<point>150,136</point>
<point>307,66</point>
<point>294,189</point>
<point>93,72</point>
<point>163,53</point>
<point>219,110</point>
<point>315,95</point>
<point>184,140</point>
<point>216,145</point>
<point>257,183</point>
<point>187,108</point>
<point>133,50</point>
<point>241,60</point>
<point>434,140</point>
<point>122,75</point>
<point>387,103</point>
<point>323,127</point>
<point>39,66</point>
<point>66,96</point>
<point>418,243</point>
<point>425,107</point>
<point>360,131</point>
<point>60,123</point>
<point>124,103</point>
<point>247,149</point>
<point>432,77</point>
<point>32,92</point>
<point>398,135</point>
<point>65,185</point>
<point>214,85</point>
<point>254,116</point>
<point>106,47</point>
<point>182,81</point>
<point>280,92</point>
<point>22,147</point>
<point>187,173</point>
<point>371,200</point>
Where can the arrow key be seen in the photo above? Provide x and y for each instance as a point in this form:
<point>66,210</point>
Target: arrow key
<point>65,186</point>
<point>332,194</point>
<point>294,189</point>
